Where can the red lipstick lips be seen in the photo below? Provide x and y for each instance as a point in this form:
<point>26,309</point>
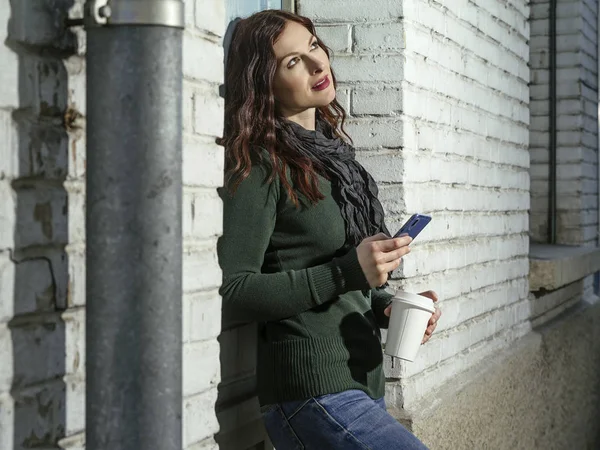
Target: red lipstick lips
<point>322,84</point>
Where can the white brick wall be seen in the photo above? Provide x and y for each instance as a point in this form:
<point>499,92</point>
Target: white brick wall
<point>202,219</point>
<point>577,142</point>
<point>438,98</point>
<point>74,316</point>
<point>549,305</point>
<point>465,103</point>
<point>42,351</point>
<point>33,221</point>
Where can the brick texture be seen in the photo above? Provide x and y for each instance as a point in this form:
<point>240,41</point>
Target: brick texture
<point>438,103</point>
<point>34,334</point>
<point>42,223</point>
<point>466,161</point>
<point>577,136</point>
<point>577,122</point>
<point>446,113</point>
<point>202,219</point>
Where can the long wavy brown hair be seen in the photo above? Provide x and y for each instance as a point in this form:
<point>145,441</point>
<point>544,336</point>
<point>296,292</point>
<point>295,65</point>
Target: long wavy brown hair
<point>251,112</point>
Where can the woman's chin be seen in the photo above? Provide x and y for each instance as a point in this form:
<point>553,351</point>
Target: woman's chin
<point>325,100</point>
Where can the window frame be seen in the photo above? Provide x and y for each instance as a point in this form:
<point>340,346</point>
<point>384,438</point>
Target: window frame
<point>288,5</point>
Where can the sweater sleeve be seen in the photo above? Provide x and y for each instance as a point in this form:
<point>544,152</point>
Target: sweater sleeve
<point>380,299</point>
<point>249,295</point>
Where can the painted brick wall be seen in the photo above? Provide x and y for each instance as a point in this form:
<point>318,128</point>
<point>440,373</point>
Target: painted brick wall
<point>202,219</point>
<point>42,220</point>
<point>238,414</point>
<point>74,184</point>
<point>577,123</point>
<point>577,142</point>
<point>34,310</point>
<point>438,96</point>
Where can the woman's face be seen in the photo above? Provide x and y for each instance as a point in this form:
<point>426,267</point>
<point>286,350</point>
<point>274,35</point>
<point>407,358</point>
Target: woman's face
<point>303,76</point>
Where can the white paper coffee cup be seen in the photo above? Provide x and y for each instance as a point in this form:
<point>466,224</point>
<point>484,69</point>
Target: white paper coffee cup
<point>408,322</point>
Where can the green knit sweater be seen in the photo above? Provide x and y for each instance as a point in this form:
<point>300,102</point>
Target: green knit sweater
<point>318,319</point>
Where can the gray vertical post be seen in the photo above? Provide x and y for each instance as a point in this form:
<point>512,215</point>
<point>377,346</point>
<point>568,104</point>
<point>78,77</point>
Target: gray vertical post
<point>552,150</point>
<point>133,226</point>
<point>597,274</point>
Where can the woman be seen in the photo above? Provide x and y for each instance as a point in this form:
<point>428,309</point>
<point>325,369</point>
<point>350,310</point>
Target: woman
<point>305,246</point>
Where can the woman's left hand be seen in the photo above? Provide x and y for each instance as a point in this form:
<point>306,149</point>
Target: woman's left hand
<point>433,320</point>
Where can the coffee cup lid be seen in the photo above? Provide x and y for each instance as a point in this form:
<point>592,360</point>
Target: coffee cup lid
<point>414,299</point>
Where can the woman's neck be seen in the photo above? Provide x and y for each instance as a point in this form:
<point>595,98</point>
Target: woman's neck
<point>306,119</point>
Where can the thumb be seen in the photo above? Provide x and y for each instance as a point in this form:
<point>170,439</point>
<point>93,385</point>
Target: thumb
<point>388,311</point>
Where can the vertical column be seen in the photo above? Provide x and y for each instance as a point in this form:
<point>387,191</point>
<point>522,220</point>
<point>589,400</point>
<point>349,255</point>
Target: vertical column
<point>134,228</point>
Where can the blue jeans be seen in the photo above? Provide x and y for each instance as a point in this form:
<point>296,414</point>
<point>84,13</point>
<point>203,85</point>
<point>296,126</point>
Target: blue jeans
<point>344,421</point>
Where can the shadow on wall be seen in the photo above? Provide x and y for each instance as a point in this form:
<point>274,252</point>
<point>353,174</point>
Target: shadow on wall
<point>237,408</point>
<point>37,329</point>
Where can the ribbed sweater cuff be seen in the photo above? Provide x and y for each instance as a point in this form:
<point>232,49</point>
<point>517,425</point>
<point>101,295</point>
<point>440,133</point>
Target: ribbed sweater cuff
<point>341,275</point>
<point>354,277</point>
<point>378,309</point>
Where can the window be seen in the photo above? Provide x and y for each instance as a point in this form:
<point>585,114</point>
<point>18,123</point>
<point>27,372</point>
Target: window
<point>243,8</point>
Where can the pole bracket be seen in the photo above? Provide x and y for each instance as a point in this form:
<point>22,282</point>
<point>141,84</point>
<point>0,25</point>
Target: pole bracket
<point>167,13</point>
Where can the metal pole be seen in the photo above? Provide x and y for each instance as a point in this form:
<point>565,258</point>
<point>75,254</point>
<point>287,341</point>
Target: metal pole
<point>552,131</point>
<point>133,232</point>
<point>597,274</point>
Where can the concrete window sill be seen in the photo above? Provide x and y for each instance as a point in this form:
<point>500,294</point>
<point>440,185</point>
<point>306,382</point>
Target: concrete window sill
<point>554,266</point>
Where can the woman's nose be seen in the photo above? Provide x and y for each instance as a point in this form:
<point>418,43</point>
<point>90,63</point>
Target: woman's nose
<point>316,66</point>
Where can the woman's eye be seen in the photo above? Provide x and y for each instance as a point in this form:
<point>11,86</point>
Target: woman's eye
<point>294,60</point>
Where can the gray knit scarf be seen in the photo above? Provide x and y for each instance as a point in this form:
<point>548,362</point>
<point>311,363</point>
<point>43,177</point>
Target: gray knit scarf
<point>353,188</point>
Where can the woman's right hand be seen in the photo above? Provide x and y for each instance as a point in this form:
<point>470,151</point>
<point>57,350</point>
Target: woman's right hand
<point>381,254</point>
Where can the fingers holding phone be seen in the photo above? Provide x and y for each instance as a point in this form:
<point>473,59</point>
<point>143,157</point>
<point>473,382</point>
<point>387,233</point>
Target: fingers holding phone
<point>378,255</point>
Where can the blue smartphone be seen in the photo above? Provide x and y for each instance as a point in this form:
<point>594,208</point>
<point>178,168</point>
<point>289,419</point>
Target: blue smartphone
<point>414,225</point>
